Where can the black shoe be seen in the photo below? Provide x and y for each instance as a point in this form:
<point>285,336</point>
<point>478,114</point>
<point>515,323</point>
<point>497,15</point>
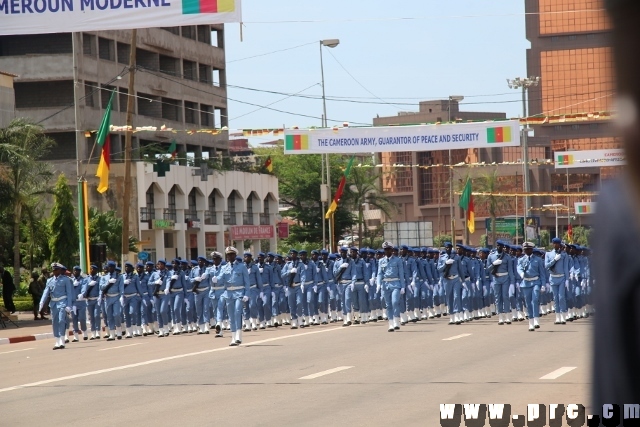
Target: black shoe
<point>92,338</point>
<point>458,323</point>
<point>379,317</point>
<point>111,339</point>
<point>128,337</point>
<point>66,341</point>
<point>74,340</point>
<point>119,337</point>
<point>391,330</point>
<point>233,344</point>
<point>557,323</point>
<point>218,329</point>
<point>537,326</point>
<point>200,332</point>
<point>324,323</point>
<point>238,342</point>
<point>61,347</point>
<point>414,320</point>
<point>294,327</point>
<point>218,335</point>
<point>375,319</point>
<point>396,328</point>
<point>356,322</point>
<point>438,315</point>
<point>85,338</point>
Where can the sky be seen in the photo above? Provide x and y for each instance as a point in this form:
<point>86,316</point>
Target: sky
<point>392,54</point>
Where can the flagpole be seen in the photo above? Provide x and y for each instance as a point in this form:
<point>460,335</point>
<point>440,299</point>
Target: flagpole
<point>127,149</point>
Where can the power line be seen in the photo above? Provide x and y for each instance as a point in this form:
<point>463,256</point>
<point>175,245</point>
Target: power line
<point>270,53</point>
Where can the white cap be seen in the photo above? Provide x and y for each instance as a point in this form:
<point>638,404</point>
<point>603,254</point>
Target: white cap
<point>215,254</point>
<point>387,244</point>
<point>230,250</point>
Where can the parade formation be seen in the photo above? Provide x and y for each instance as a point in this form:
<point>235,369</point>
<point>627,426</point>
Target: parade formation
<point>354,286</point>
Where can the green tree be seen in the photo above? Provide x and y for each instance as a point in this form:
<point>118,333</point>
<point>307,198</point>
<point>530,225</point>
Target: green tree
<point>438,241</point>
<point>364,190</point>
<point>63,226</point>
<point>35,246</point>
<point>22,146</point>
<point>489,183</point>
<point>106,227</point>
<point>545,238</point>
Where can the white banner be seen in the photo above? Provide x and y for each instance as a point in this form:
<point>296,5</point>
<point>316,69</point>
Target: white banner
<point>402,138</point>
<point>589,158</point>
<point>585,208</point>
<point>64,16</point>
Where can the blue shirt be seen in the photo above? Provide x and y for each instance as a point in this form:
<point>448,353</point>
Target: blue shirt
<point>530,268</point>
<point>58,287</point>
<point>559,270</point>
<point>233,275</point>
<point>503,272</point>
<point>391,272</point>
<point>456,267</point>
<point>134,284</point>
<point>348,274</point>
<point>116,288</point>
<point>266,274</point>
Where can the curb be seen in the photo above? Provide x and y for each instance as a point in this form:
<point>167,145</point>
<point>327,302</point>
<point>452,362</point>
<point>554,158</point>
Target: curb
<point>35,337</point>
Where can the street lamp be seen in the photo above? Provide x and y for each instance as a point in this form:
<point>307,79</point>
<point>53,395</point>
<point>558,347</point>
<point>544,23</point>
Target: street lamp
<point>524,84</point>
<point>555,206</point>
<point>326,43</point>
<point>456,98</point>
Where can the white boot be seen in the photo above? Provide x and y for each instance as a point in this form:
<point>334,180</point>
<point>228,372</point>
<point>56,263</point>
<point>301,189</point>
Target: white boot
<point>233,339</point>
<point>396,322</point>
<point>75,337</point>
<point>500,319</point>
<point>294,324</point>
<point>520,315</point>
<point>247,325</point>
<point>365,317</point>
<point>239,336</point>
<point>128,333</point>
<point>557,319</point>
<point>391,326</point>
<point>254,325</point>
<point>452,319</point>
<point>416,313</point>
<point>531,326</point>
<point>112,335</point>
<point>535,322</point>
<point>403,318</point>
<point>348,319</point>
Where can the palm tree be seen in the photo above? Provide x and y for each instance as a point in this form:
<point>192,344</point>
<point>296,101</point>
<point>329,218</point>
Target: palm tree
<point>106,227</point>
<point>490,184</point>
<point>364,190</point>
<point>22,145</point>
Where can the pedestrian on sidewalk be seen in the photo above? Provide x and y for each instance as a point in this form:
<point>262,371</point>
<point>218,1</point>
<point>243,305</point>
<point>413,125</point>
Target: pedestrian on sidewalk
<point>8,289</point>
<point>36,288</point>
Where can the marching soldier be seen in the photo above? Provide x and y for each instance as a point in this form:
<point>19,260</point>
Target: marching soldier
<point>58,294</point>
<point>322,285</point>
<point>391,280</point>
<point>200,288</point>
<point>250,309</point>
<point>160,294</point>
<point>112,288</point>
<point>79,315</point>
<point>360,287</point>
<point>216,292</point>
<point>131,301</point>
<point>267,294</point>
<point>557,262</point>
<point>532,272</point>
<point>501,280</point>
<point>91,293</point>
<point>278,300</point>
<point>449,267</point>
<point>293,277</point>
<point>146,307</point>
<point>343,271</point>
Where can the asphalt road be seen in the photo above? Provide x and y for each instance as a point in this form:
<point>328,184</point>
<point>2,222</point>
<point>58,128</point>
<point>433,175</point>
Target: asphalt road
<point>321,376</point>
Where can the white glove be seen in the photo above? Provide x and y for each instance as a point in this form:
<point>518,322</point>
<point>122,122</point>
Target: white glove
<point>153,302</point>
<point>167,291</point>
<point>557,257</point>
<point>80,297</point>
<point>158,282</point>
<point>75,310</point>
<point>122,301</point>
<point>401,291</point>
<point>497,262</point>
<point>128,281</point>
<point>76,283</point>
<point>245,298</point>
<point>315,289</point>
<point>372,281</point>
<point>366,288</point>
<point>293,270</point>
<point>566,284</point>
<point>261,269</point>
<point>204,276</point>
<point>378,289</point>
<point>317,269</point>
<point>449,262</point>
<point>175,277</point>
<point>262,296</point>
<point>543,289</point>
<point>67,309</point>
<point>112,280</point>
<point>413,284</point>
<point>93,283</point>
<point>352,287</point>
<point>286,292</point>
<point>214,280</point>
<point>273,296</point>
<point>344,265</point>
<point>198,279</point>
<point>521,275</point>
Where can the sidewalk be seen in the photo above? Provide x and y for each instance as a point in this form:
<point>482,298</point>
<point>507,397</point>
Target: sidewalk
<point>28,330</point>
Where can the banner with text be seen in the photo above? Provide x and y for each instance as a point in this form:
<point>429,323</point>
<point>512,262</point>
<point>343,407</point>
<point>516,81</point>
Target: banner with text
<point>250,232</point>
<point>64,16</point>
<point>589,158</point>
<point>402,138</point>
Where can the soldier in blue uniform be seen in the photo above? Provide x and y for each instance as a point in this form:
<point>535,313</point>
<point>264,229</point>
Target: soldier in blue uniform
<point>391,280</point>
<point>160,296</point>
<point>449,267</point>
<point>322,294</point>
<point>79,314</point>
<point>250,309</point>
<point>557,262</point>
<point>200,288</point>
<point>292,279</point>
<point>59,293</point>
<point>278,300</point>
<point>234,276</point>
<point>189,316</point>
<point>131,300</point>
<point>344,272</point>
<point>112,288</point>
<point>265,304</point>
<point>176,284</point>
<point>532,273</point>
<point>466,276</point>
<point>574,304</point>
<point>411,278</point>
<point>485,283</point>
<point>501,278</point>
<point>216,293</point>
<point>91,293</point>
<point>373,297</point>
<point>360,286</point>
<point>332,289</point>
<point>147,312</point>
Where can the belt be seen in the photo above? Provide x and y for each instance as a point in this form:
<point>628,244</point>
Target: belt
<point>235,288</point>
<point>217,288</point>
<point>295,285</point>
<point>320,283</point>
<point>58,299</point>
<point>391,280</point>
<point>131,295</point>
<point>175,291</point>
<point>253,286</point>
<point>92,298</point>
<point>359,282</point>
<point>452,277</point>
<point>113,295</point>
<point>310,282</point>
<point>531,279</point>
<point>557,275</point>
<point>277,286</point>
<point>345,281</point>
<point>501,274</point>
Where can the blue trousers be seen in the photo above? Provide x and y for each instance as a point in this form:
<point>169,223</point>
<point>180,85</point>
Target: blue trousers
<point>295,302</point>
<point>453,290</point>
<point>189,309</point>
<point>162,303</point>
<point>176,300</point>
<point>278,304</point>
<point>265,304</point>
<point>346,297</point>
<point>334,298</point>
<point>323,299</point>
<point>146,310</point>
<point>374,298</point>
<point>114,312</point>
<point>501,292</point>
<point>250,308</point>
<point>94,315</point>
<point>202,301</point>
<point>487,295</point>
<point>131,311</point>
<point>393,298</point>
<point>559,293</point>
<point>362,297</point>
<point>80,317</point>
<point>466,296</point>
<point>532,299</point>
<point>233,301</point>
<point>217,303</point>
<point>579,297</point>
<point>58,318</point>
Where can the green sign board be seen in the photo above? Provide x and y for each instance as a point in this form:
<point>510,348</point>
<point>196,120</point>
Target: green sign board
<point>163,224</point>
<point>506,229</point>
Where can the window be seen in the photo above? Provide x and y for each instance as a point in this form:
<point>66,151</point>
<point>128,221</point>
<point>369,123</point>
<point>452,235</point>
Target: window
<point>170,212</point>
<point>204,34</point>
<point>189,32</point>
<point>147,59</point>
<point>266,206</point>
<point>105,95</point>
<point>206,115</point>
<point>168,240</point>
<point>397,172</point>
<point>558,16</point>
<point>148,105</point>
<point>90,94</point>
<point>123,99</point>
<point>250,205</point>
<point>106,49</point>
<point>172,30</point>
<point>124,51</point>
<point>190,114</point>
<point>210,215</point>
<point>192,214</point>
<point>89,44</point>
<point>43,94</point>
<point>169,65</point>
<point>171,109</point>
<point>189,70</point>
<point>204,72</point>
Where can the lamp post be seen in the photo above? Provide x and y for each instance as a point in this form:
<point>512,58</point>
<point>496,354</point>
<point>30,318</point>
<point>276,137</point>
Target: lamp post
<point>555,206</point>
<point>456,98</point>
<point>525,84</point>
<point>326,43</point>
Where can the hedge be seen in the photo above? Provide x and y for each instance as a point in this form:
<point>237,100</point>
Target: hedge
<point>22,305</point>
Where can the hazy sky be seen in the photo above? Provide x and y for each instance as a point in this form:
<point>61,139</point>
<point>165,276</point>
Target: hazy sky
<point>441,48</point>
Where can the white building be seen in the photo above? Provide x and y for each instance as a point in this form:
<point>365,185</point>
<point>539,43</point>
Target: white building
<point>187,213</point>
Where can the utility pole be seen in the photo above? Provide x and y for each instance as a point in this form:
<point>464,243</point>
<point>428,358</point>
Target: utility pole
<point>457,98</point>
<point>127,148</point>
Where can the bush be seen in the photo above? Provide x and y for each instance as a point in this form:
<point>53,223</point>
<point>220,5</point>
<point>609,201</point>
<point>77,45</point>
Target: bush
<point>21,305</point>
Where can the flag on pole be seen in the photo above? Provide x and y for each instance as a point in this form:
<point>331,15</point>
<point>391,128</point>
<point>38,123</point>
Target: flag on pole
<point>83,225</point>
<point>103,141</point>
<point>268,165</point>
<point>466,203</point>
<point>570,233</point>
<point>173,150</point>
<point>340,190</point>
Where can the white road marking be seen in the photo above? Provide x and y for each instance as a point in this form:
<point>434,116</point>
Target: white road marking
<point>121,346</point>
<point>455,337</point>
<point>155,361</point>
<point>558,373</point>
<point>15,351</point>
<point>327,372</point>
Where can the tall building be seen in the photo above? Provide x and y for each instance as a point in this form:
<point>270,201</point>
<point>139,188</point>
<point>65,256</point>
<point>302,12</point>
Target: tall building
<point>571,53</point>
<point>421,190</point>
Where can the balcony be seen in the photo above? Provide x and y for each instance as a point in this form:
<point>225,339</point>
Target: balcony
<point>191,215</point>
<point>210,218</point>
<point>170,214</point>
<point>247,218</point>
<point>147,214</point>
<point>264,219</point>
<point>229,218</point>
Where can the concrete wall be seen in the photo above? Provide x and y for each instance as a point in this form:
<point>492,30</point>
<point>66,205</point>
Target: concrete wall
<point>7,100</point>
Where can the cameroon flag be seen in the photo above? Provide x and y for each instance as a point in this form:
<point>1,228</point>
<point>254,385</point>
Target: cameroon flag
<point>336,198</point>
<point>466,203</point>
<point>103,141</point>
